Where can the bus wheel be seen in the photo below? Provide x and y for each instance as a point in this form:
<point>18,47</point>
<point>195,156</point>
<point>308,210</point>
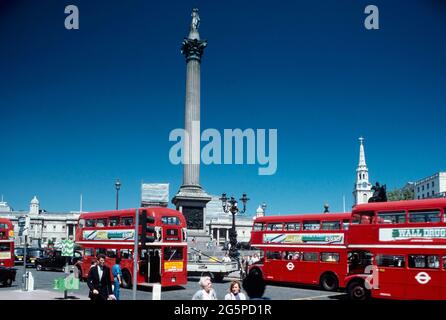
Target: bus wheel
<point>7,282</point>
<point>329,282</point>
<point>256,272</point>
<point>126,279</point>
<point>357,291</point>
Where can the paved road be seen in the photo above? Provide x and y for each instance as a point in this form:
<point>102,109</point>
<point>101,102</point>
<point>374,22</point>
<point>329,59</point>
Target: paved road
<point>44,280</point>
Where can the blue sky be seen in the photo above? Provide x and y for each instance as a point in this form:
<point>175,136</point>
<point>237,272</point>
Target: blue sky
<point>82,108</point>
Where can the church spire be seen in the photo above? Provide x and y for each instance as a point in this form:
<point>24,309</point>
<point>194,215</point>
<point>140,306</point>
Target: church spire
<point>362,189</point>
<point>361,153</point>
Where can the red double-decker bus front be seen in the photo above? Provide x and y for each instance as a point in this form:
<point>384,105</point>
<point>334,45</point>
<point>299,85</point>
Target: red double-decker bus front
<point>112,233</point>
<point>406,241</point>
<point>6,243</point>
<point>302,249</point>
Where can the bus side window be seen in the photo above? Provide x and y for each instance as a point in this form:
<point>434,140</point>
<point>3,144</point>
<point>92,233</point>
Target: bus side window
<point>273,255</point>
<point>113,221</point>
<point>126,254</point>
<point>89,252</point>
<point>90,223</point>
<point>127,221</point>
<point>444,262</point>
<point>111,253</point>
<point>100,251</point>
<point>101,222</point>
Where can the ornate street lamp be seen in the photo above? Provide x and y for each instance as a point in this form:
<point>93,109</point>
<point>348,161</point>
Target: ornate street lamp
<point>231,205</point>
<point>117,186</point>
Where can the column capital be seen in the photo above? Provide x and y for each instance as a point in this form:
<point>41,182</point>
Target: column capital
<point>193,48</point>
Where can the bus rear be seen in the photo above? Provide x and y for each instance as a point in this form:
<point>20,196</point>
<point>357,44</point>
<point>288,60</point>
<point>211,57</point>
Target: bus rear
<point>112,233</point>
<point>6,243</point>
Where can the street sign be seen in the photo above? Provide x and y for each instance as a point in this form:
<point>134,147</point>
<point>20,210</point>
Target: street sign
<point>67,248</point>
<point>68,283</point>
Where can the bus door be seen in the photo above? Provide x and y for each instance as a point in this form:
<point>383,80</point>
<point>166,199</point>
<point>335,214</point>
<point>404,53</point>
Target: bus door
<point>150,264</point>
<point>424,277</point>
<point>392,276</point>
<point>443,280</point>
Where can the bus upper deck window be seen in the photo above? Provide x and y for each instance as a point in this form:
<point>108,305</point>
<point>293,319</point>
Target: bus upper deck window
<point>126,221</point>
<point>113,221</point>
<point>424,216</point>
<point>312,225</point>
<point>331,225</point>
<point>101,222</point>
<point>391,217</point>
<point>90,223</point>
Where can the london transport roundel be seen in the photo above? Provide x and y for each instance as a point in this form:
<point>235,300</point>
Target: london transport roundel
<point>423,278</point>
<point>290,266</point>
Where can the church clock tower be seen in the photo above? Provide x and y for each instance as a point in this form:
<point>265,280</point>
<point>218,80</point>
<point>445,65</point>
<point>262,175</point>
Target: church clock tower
<point>362,190</point>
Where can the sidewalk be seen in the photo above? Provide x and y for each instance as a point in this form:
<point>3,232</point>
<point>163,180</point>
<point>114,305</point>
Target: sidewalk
<point>39,295</point>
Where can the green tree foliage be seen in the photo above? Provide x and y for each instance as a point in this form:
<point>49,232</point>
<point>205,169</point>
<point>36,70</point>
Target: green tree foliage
<point>400,194</point>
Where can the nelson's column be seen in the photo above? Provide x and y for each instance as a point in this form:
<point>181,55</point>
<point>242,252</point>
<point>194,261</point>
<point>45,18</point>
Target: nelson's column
<point>191,199</point>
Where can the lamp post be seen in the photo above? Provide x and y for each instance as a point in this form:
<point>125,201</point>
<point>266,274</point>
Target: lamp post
<point>117,186</point>
<point>231,205</point>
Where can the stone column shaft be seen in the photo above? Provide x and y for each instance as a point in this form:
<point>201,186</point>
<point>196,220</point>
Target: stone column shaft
<point>191,170</point>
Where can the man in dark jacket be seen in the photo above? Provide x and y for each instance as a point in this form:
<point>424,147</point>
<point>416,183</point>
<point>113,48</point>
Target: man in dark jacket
<point>99,281</point>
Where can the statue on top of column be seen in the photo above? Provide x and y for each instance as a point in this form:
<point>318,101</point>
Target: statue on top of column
<point>195,20</point>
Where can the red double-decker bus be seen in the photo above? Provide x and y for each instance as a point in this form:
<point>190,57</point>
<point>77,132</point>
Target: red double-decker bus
<point>406,241</point>
<point>302,249</point>
<point>112,233</point>
<point>6,243</point>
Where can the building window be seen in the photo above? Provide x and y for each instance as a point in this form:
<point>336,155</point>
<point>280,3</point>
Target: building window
<point>54,227</point>
<point>63,227</point>
<point>422,188</point>
<point>418,189</point>
<point>427,186</point>
<point>433,184</point>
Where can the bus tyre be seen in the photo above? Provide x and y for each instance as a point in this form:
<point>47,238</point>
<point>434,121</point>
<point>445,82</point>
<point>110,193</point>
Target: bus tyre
<point>329,282</point>
<point>256,272</point>
<point>126,279</point>
<point>7,282</point>
<point>357,291</point>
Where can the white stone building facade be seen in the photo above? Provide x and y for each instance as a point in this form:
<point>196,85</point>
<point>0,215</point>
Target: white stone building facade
<point>45,227</point>
<point>431,187</point>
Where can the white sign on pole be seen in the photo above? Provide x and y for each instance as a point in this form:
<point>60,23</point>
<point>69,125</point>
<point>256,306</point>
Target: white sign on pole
<point>155,193</point>
<point>156,293</point>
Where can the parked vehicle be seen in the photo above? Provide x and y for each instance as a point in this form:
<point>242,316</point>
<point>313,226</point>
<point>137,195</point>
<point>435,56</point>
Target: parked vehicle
<point>53,260</point>
<point>200,264</point>
<point>31,255</point>
<point>7,276</point>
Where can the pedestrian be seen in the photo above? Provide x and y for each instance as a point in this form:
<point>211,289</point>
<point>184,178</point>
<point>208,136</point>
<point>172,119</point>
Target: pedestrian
<point>117,278</point>
<point>234,292</point>
<point>254,286</point>
<point>206,292</point>
<point>226,258</point>
<point>99,281</point>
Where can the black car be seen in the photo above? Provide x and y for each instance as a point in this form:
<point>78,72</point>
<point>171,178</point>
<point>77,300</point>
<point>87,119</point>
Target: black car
<point>53,260</point>
<point>7,276</point>
<point>31,255</point>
